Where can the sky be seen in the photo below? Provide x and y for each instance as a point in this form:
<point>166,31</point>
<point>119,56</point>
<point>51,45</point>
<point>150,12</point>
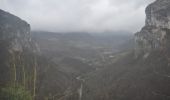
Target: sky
<point>79,15</point>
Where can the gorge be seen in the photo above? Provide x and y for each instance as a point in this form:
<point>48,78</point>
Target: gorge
<point>39,65</point>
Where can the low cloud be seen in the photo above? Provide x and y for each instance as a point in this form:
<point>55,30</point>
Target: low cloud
<point>80,15</point>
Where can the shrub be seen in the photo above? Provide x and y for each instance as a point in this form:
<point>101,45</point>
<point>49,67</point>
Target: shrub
<point>15,93</point>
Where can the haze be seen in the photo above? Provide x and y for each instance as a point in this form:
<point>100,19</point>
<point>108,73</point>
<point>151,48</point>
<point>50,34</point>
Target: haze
<point>80,15</point>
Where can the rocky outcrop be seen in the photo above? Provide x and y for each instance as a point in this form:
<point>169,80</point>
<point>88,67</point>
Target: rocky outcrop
<point>16,33</point>
<point>17,49</point>
<point>155,34</point>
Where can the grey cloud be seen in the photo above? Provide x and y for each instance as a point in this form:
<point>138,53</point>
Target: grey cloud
<point>79,15</point>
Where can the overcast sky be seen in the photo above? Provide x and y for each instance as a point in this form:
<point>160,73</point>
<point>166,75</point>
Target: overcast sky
<point>80,15</point>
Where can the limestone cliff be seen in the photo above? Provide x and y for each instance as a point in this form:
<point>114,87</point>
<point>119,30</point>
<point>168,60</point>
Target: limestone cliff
<point>16,50</point>
<point>155,34</point>
<point>16,33</point>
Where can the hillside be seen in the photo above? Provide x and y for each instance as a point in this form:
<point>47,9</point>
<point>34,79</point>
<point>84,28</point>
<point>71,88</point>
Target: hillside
<point>142,74</point>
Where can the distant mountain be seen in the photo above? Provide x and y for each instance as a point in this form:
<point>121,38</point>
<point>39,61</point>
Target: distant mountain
<point>83,40</point>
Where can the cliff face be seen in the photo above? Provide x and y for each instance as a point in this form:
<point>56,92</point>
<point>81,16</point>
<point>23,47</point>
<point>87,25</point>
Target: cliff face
<point>155,34</point>
<point>15,33</point>
<point>16,50</point>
